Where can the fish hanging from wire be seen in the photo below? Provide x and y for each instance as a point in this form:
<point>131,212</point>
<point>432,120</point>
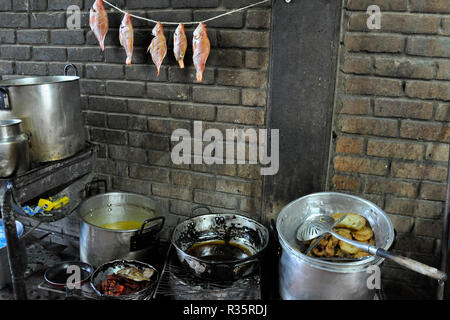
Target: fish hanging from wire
<point>202,48</point>
<point>126,36</point>
<point>180,44</point>
<point>158,46</point>
<point>98,21</point>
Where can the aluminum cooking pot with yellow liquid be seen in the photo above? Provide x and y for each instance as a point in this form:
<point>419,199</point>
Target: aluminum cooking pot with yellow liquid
<point>118,225</point>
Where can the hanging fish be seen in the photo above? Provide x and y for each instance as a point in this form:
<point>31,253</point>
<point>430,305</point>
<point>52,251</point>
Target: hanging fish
<point>98,21</point>
<point>126,36</point>
<point>180,44</point>
<point>158,47</point>
<point>202,48</point>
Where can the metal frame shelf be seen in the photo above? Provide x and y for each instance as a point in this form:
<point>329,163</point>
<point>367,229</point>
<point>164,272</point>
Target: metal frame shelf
<point>68,177</point>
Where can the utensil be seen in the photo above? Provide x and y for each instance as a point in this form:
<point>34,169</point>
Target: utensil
<point>220,246</point>
<point>316,243</point>
<point>319,224</point>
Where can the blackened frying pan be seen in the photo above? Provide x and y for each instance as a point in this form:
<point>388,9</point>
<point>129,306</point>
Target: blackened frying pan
<point>59,274</point>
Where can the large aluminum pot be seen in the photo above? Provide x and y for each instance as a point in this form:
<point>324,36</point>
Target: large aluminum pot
<point>99,243</point>
<point>14,148</point>
<point>50,108</point>
<point>303,277</point>
<point>220,246</point>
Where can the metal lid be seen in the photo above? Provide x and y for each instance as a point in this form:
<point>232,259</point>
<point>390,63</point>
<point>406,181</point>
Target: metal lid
<point>30,81</point>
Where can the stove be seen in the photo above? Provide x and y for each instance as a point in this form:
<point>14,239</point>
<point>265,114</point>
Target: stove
<point>177,283</point>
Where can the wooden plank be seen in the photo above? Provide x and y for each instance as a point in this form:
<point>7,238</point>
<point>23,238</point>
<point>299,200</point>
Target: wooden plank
<point>304,42</point>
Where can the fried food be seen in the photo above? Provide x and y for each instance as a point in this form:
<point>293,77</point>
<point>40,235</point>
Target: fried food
<point>361,254</point>
<point>330,248</point>
<point>135,274</point>
<point>353,227</point>
<point>364,234</point>
<point>344,232</point>
<point>352,221</point>
<point>348,248</point>
<point>318,251</point>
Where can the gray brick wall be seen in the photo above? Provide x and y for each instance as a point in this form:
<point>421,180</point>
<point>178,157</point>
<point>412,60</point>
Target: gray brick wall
<point>130,113</point>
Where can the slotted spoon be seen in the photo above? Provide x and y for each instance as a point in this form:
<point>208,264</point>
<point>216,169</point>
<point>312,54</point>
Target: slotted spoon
<point>319,224</point>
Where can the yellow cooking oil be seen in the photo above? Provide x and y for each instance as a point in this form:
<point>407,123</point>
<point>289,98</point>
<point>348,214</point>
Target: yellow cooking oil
<point>122,225</point>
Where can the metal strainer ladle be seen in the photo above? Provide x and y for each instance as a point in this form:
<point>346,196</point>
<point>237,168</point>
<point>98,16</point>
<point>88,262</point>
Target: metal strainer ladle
<point>319,224</point>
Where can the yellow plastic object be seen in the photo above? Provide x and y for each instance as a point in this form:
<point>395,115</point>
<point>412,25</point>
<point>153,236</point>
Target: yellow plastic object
<point>45,204</point>
<point>61,202</point>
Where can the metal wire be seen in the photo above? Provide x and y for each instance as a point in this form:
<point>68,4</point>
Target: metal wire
<point>189,22</point>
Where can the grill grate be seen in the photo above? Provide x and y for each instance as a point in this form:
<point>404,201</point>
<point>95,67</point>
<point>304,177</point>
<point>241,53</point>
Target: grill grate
<point>178,284</point>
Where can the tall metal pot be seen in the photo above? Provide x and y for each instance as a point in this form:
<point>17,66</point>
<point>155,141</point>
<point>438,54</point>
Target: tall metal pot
<point>100,244</point>
<point>306,278</point>
<point>50,108</point>
<point>14,148</point>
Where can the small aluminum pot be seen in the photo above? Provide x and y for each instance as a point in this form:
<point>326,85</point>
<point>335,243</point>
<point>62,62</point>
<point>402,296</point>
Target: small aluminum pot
<point>112,267</point>
<point>307,278</point>
<point>14,148</point>
<point>99,245</point>
<point>242,231</point>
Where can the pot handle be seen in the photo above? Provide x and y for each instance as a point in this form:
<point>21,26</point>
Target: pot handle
<point>141,239</point>
<point>238,267</point>
<point>200,207</point>
<point>274,232</point>
<point>94,187</point>
<point>66,68</point>
<point>4,99</point>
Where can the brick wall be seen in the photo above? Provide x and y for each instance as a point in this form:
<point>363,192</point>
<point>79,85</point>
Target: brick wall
<point>131,113</point>
<point>391,131</point>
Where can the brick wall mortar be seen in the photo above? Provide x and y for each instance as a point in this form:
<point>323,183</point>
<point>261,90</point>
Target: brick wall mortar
<point>391,130</point>
<point>130,113</point>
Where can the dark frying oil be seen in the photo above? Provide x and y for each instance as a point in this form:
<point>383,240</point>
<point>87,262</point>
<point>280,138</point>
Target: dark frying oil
<point>218,250</point>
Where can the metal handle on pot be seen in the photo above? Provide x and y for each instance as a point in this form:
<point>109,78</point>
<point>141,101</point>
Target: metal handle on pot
<point>413,265</point>
<point>146,222</point>
<point>200,207</point>
<point>238,267</point>
<point>4,99</point>
<point>273,231</point>
<point>141,240</point>
<point>66,68</point>
<point>89,187</point>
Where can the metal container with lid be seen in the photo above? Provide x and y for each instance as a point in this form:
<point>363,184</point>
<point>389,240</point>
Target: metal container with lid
<point>14,148</point>
<point>303,277</point>
<point>50,108</point>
